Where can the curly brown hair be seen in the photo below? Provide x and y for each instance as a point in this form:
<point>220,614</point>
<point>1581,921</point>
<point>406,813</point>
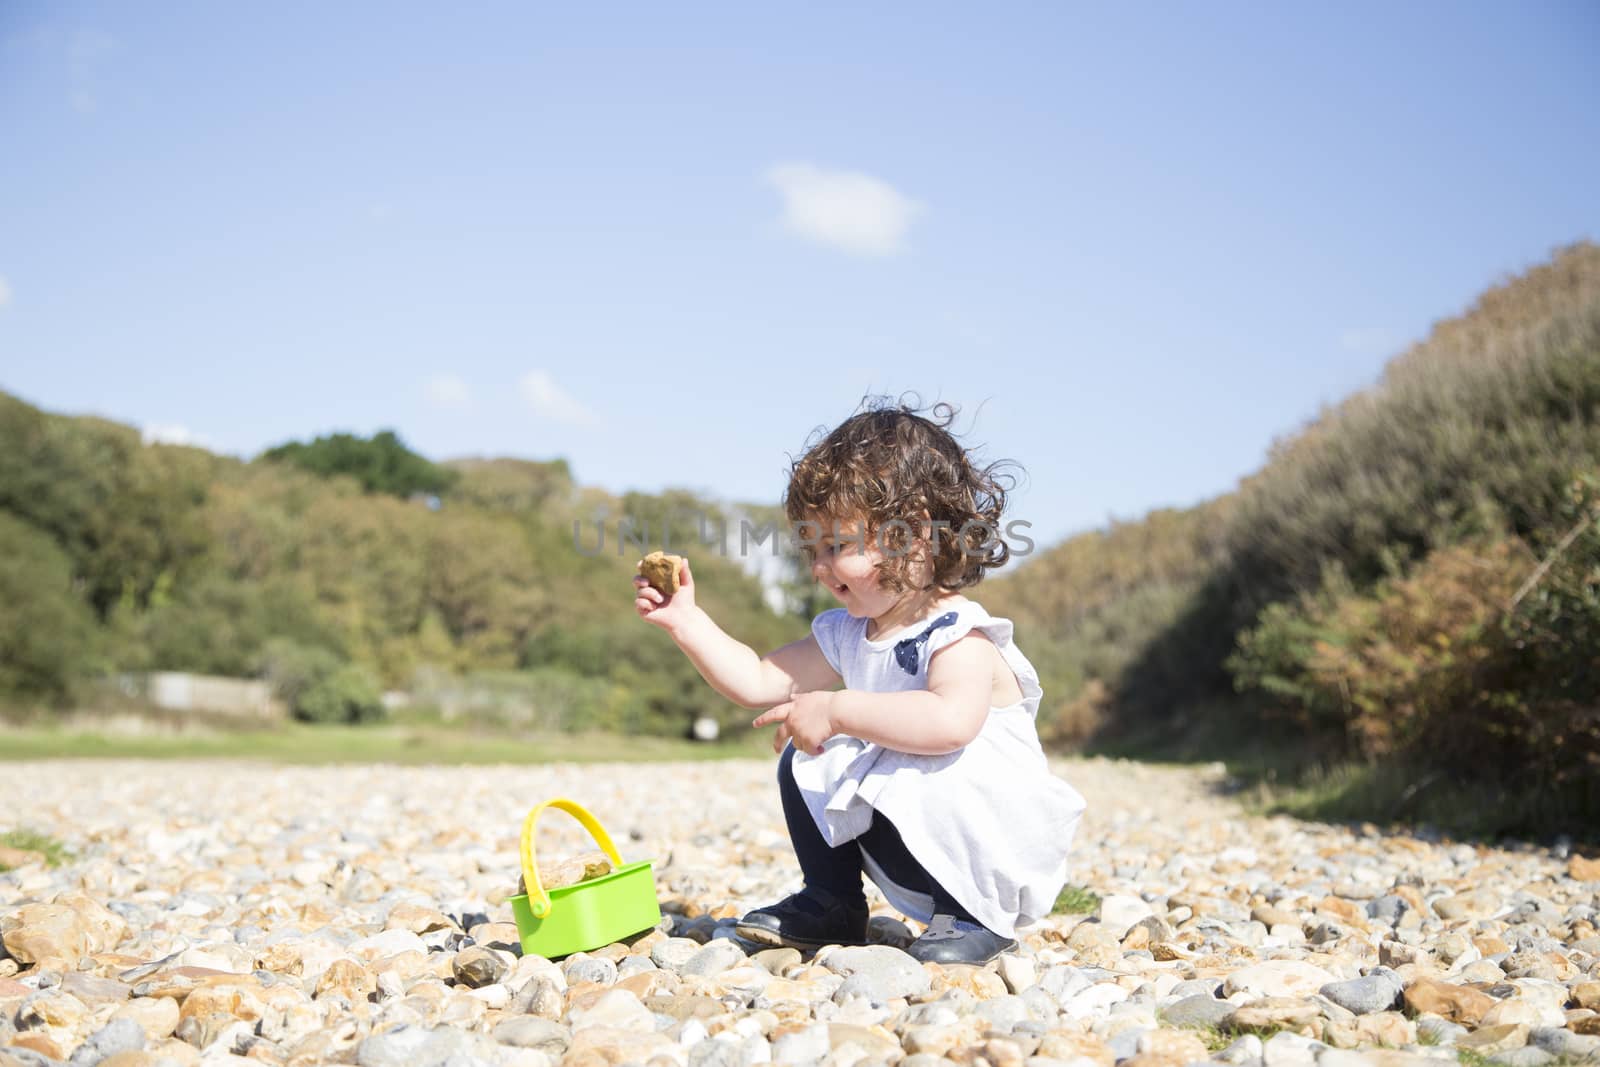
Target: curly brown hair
<point>899,471</point>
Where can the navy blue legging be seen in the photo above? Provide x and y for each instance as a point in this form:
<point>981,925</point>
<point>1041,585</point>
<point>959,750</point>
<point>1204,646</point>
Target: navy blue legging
<point>839,870</point>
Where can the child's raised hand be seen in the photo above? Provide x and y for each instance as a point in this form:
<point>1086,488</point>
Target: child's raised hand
<point>807,720</point>
<point>655,606</point>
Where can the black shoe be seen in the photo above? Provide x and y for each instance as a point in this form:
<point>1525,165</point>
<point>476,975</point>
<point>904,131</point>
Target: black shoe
<point>808,919</point>
<point>951,940</point>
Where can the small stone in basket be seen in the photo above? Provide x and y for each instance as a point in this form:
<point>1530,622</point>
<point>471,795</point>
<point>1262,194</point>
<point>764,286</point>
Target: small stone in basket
<point>563,873</point>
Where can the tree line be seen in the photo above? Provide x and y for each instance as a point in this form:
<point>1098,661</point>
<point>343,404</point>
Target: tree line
<point>335,568</point>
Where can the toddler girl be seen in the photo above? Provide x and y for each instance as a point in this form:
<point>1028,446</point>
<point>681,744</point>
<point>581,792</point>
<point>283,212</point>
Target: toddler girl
<point>925,772</point>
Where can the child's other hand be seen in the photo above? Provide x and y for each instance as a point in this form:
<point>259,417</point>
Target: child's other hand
<point>655,606</point>
<point>807,720</point>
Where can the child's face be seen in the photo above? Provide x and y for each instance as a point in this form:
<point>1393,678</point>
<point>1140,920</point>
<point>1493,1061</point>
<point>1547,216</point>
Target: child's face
<point>846,563</point>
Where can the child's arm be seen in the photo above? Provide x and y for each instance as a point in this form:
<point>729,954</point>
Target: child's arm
<point>942,718</point>
<point>731,667</point>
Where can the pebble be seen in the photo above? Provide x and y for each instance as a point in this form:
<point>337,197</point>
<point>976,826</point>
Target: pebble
<point>598,970</point>
<point>119,1035</point>
<point>879,971</point>
<point>524,1031</point>
<point>1277,978</point>
<point>1201,1012</point>
<point>1374,992</point>
<point>674,952</point>
<point>714,958</point>
<point>301,915</point>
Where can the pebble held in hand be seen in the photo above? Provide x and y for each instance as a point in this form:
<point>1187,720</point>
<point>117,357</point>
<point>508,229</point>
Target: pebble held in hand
<point>661,571</point>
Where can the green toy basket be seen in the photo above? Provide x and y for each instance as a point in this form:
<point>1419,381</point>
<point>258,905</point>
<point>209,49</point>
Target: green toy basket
<point>591,914</point>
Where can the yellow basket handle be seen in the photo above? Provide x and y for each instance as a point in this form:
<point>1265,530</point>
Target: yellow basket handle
<point>538,899</point>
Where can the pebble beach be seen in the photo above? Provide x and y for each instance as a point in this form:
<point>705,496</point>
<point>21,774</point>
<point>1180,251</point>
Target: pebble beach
<point>240,912</point>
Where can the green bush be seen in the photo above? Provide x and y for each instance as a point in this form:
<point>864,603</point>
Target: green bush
<point>219,625</point>
<point>1557,618</point>
<point>1381,669</point>
<point>1550,700</point>
<point>346,695</point>
<point>47,634</point>
<point>382,464</point>
<point>317,685</point>
<point>128,516</point>
<point>1482,654</point>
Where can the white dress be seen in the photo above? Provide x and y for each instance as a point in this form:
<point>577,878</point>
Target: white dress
<point>989,822</point>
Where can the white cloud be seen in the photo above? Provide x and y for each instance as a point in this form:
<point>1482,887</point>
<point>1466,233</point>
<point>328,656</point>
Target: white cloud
<point>1372,341</point>
<point>846,209</point>
<point>449,392</point>
<point>548,400</point>
<point>5,292</point>
<point>170,433</point>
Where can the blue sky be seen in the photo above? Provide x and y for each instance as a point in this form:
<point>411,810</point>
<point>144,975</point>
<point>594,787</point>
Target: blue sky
<point>1134,243</point>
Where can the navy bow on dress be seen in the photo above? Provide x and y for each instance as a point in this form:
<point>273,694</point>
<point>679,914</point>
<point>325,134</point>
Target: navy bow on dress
<point>906,653</point>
